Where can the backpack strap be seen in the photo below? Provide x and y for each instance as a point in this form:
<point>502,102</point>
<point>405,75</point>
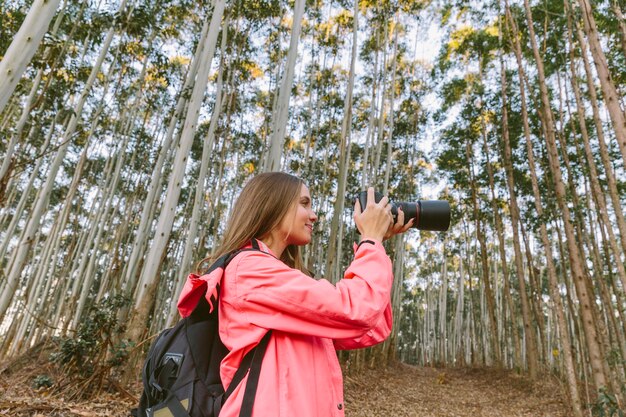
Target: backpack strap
<point>253,378</point>
<point>252,361</point>
<point>247,364</point>
<point>175,407</point>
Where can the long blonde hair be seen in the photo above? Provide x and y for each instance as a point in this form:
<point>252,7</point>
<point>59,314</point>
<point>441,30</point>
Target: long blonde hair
<point>263,203</point>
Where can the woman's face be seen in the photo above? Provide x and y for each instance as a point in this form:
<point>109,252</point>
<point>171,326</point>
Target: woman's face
<point>297,226</point>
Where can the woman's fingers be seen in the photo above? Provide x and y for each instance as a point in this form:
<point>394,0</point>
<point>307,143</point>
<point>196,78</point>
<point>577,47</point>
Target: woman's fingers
<point>398,226</point>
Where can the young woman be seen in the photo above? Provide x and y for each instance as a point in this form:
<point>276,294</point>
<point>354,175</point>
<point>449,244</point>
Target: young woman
<point>271,290</point>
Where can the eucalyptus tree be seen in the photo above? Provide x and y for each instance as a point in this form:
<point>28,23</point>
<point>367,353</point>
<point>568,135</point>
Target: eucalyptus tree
<point>157,176</point>
<point>473,48</point>
<point>609,90</point>
<point>24,46</point>
<point>281,107</point>
<point>336,229</point>
<point>609,169</point>
<point>50,53</point>
<point>149,278</point>
<point>579,274</point>
<point>596,188</point>
<point>34,220</point>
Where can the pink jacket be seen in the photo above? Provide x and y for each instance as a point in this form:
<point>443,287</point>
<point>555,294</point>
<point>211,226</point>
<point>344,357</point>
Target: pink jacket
<point>300,375</point>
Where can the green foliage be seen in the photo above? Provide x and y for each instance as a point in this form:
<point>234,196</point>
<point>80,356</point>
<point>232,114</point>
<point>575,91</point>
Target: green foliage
<point>94,350</point>
<point>42,381</point>
<point>606,405</point>
<point>11,18</point>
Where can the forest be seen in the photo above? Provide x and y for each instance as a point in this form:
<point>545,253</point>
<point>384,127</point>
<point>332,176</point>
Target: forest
<point>128,128</point>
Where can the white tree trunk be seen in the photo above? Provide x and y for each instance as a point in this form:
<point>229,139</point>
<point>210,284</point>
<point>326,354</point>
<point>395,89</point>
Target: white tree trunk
<point>272,163</point>
<point>26,107</point>
<point>380,121</point>
<point>604,153</point>
<point>336,229</point>
<point>25,192</point>
<point>41,205</point>
<point>24,46</point>
<point>369,136</point>
<point>391,120</point>
<point>200,189</point>
<point>8,156</point>
<point>104,212</point>
<point>149,274</point>
<point>443,308</point>
<point>131,266</point>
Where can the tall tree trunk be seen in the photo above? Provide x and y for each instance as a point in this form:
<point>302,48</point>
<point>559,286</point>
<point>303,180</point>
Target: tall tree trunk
<point>604,153</point>
<point>593,171</point>
<point>26,243</point>
<point>457,344</point>
<point>334,245</point>
<point>25,193</point>
<point>611,97</point>
<point>443,308</point>
<point>156,181</point>
<point>491,304</point>
<point>580,279</point>
<point>366,179</point>
<point>24,46</point>
<point>149,279</point>
<point>30,104</point>
<point>388,165</point>
<point>493,326</point>
<point>379,132</point>
<point>198,200</point>
<point>281,115</point>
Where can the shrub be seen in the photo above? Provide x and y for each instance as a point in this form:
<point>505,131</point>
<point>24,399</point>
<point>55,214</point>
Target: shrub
<point>89,357</point>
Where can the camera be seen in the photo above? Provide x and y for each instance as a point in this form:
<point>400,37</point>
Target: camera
<point>431,215</point>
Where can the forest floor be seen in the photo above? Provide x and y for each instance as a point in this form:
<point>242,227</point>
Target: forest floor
<point>399,390</point>
<point>408,391</point>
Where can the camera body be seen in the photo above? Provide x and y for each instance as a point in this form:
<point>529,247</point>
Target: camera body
<point>431,215</point>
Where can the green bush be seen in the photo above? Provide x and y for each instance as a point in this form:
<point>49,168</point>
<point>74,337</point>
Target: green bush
<point>606,406</point>
<point>42,381</point>
<point>97,347</point>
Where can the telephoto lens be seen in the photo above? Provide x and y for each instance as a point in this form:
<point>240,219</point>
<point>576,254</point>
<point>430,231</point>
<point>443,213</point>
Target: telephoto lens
<point>431,215</point>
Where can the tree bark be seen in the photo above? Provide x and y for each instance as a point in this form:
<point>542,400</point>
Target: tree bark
<point>580,279</point>
<point>334,245</point>
<point>149,207</point>
<point>149,279</point>
<point>611,97</point>
<point>281,115</point>
<point>480,236</point>
<point>604,153</point>
<point>198,200</point>
<point>24,46</point>
<point>593,171</point>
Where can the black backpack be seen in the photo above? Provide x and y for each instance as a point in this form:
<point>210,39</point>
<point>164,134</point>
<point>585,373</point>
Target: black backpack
<point>181,374</point>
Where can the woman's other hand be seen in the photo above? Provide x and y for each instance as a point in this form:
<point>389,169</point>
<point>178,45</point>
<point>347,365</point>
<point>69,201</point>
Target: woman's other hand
<point>399,226</point>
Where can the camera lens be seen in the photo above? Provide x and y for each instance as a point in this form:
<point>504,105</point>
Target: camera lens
<point>433,215</point>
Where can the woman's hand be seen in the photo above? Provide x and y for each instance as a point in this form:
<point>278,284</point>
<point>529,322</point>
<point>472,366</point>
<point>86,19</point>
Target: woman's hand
<point>376,220</point>
<point>399,226</point>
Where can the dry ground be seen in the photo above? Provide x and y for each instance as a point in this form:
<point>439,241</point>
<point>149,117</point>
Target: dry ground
<point>400,390</point>
<point>409,391</point>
